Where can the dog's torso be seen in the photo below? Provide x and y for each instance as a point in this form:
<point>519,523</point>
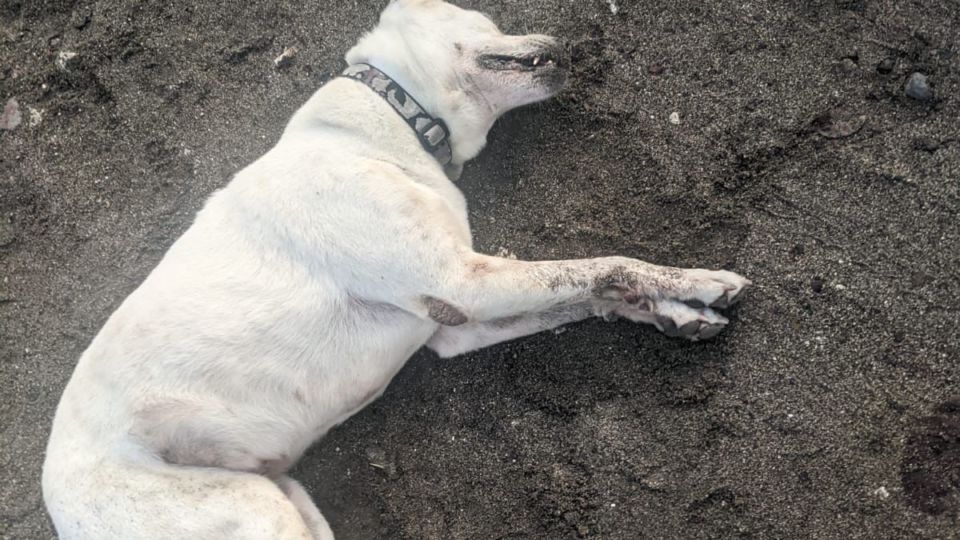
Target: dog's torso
<point>280,291</point>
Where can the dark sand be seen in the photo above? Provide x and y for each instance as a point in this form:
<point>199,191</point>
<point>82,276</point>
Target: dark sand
<point>829,409</point>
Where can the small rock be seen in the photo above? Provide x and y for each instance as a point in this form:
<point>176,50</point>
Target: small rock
<point>675,118</point>
<point>656,69</point>
<point>848,65</point>
<point>886,66</point>
<point>81,18</point>
<point>655,482</point>
<point>65,58</point>
<point>583,530</point>
<point>613,6</point>
<point>10,118</point>
<point>918,87</point>
<point>285,58</point>
<point>816,284</point>
<point>882,492</point>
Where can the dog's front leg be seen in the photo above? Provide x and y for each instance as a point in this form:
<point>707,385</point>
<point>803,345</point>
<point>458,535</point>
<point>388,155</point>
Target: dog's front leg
<point>679,302</point>
<point>450,341</point>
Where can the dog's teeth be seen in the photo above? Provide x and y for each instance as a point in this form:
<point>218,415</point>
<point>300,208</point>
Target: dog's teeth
<point>536,60</point>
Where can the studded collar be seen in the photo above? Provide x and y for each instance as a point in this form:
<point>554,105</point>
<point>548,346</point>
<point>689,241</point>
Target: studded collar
<point>433,133</point>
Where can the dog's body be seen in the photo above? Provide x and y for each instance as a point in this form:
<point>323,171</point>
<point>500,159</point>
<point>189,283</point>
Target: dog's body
<point>304,286</point>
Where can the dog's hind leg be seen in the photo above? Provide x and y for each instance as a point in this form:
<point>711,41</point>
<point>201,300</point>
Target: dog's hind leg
<point>124,500</point>
<point>308,510</point>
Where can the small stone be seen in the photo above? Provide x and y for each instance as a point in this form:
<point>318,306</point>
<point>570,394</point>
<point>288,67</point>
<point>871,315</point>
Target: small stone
<point>656,69</point>
<point>886,66</point>
<point>81,18</point>
<point>882,492</point>
<point>848,65</point>
<point>655,482</point>
<point>10,118</point>
<point>285,58</point>
<point>816,284</point>
<point>918,87</point>
<point>583,530</point>
<point>613,6</point>
<point>675,118</point>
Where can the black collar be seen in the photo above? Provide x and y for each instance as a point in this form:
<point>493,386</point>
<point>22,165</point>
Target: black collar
<point>433,133</point>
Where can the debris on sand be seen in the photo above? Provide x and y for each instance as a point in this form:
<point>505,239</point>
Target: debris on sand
<point>10,118</point>
<point>882,492</point>
<point>675,118</point>
<point>829,126</point>
<point>613,6</point>
<point>285,58</point>
<point>378,459</point>
<point>918,87</point>
<point>36,116</point>
<point>64,58</point>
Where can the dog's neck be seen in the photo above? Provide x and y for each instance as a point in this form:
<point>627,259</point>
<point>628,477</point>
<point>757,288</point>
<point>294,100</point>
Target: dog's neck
<point>433,133</point>
<point>468,127</point>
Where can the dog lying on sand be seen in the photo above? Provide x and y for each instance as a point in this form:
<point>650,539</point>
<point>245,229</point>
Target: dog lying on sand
<point>305,285</point>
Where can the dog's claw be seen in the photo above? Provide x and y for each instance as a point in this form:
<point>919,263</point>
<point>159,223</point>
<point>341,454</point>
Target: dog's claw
<point>709,331</point>
<point>667,326</point>
<point>730,298</point>
<point>690,329</point>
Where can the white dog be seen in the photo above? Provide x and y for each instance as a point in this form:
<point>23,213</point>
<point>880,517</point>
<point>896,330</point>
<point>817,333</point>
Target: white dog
<point>306,283</point>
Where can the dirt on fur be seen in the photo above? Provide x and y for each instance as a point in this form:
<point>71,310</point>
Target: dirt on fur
<point>772,138</point>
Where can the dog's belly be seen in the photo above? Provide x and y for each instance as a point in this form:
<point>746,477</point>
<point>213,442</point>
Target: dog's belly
<point>241,381</point>
<point>268,414</point>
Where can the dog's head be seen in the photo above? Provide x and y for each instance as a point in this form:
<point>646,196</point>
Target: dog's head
<point>460,66</point>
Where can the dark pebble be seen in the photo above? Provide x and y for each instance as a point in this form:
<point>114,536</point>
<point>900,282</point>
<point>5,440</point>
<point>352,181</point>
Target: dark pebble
<point>817,285</point>
<point>886,66</point>
<point>656,69</point>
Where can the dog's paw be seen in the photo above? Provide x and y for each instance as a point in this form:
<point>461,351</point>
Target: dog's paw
<point>673,318</point>
<point>676,319</point>
<point>687,311</point>
<point>717,289</point>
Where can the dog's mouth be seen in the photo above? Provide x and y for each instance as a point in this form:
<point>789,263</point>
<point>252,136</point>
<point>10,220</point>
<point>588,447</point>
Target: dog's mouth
<point>541,60</point>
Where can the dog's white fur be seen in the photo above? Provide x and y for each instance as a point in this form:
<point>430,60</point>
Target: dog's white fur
<point>304,286</point>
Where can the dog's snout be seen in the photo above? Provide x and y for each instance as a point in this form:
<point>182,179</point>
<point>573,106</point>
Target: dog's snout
<point>554,49</point>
